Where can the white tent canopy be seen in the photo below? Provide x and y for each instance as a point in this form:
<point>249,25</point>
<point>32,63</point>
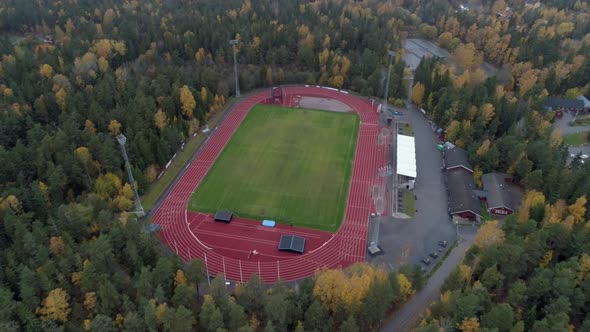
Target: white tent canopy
<point>406,156</point>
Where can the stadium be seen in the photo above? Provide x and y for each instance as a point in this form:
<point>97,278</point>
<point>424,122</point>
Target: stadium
<point>320,185</point>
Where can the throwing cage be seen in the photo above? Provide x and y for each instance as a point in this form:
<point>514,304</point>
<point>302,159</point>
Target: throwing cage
<point>277,95</point>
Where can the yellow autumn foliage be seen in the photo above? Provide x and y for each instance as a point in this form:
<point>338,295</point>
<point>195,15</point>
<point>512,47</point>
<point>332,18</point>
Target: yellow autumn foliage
<point>56,246</point>
<point>578,209</point>
<point>405,285</point>
<point>46,71</point>
<point>55,306</point>
<point>114,127</point>
<point>60,99</point>
<point>470,324</point>
<point>347,287</point>
<point>489,234</point>
<point>531,199</point>
<point>418,94</point>
<point>187,101</point>
<point>554,213</point>
<point>179,279</point>
<point>90,301</point>
<point>465,272</point>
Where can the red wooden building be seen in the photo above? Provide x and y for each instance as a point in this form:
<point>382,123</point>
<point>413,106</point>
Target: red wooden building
<point>502,195</point>
<point>463,201</point>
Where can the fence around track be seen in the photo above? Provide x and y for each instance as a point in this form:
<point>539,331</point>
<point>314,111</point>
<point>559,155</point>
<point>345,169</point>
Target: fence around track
<point>348,244</point>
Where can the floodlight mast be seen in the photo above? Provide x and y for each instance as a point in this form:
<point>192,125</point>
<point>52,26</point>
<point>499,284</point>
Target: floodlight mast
<point>138,207</point>
<point>234,42</point>
<point>391,56</point>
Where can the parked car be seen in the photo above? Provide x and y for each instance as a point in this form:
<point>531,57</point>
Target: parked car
<point>426,261</point>
<point>584,156</point>
<point>443,243</point>
<point>434,254</point>
<point>397,113</point>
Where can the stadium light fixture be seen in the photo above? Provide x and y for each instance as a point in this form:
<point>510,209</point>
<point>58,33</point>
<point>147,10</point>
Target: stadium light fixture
<point>391,56</point>
<point>234,42</point>
<point>138,207</point>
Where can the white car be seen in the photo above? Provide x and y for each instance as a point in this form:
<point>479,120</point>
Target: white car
<point>584,156</point>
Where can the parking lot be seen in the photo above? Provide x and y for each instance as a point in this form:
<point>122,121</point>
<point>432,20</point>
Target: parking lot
<point>416,49</point>
<point>408,241</point>
<point>563,125</point>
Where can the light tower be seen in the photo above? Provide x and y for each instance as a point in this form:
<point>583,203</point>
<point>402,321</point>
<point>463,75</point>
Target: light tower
<point>234,42</point>
<point>391,56</point>
<point>138,207</point>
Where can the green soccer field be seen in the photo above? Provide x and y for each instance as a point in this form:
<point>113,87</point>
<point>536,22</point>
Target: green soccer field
<point>288,165</point>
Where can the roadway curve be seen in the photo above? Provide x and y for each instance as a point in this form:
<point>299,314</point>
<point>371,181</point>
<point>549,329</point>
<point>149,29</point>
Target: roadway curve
<point>346,247</point>
<point>408,316</point>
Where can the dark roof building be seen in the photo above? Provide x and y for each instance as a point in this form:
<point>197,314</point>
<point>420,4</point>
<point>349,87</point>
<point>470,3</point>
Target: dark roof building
<point>503,196</point>
<point>462,199</point>
<point>457,158</point>
<point>556,103</point>
<point>584,100</point>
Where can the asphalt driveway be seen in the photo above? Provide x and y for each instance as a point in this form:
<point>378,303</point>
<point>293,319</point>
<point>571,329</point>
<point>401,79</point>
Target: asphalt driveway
<point>563,124</point>
<point>408,241</point>
<point>410,314</point>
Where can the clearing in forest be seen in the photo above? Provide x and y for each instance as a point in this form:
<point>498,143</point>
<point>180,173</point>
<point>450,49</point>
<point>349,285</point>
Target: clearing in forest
<point>286,164</point>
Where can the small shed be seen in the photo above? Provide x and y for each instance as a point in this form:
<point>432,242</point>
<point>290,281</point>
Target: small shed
<point>292,243</point>
<point>223,216</point>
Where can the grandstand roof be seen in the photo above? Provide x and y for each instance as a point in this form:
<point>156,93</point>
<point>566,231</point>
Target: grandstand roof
<point>406,156</point>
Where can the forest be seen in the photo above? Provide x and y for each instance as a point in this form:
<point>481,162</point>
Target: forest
<point>501,133</point>
<point>529,274</point>
<point>75,73</point>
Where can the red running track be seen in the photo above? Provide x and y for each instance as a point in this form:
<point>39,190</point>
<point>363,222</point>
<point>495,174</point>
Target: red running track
<point>225,247</point>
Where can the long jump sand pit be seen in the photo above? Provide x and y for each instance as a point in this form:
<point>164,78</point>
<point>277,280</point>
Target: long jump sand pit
<point>326,104</point>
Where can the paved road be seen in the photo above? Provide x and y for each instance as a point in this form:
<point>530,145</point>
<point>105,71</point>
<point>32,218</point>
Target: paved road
<point>566,128</point>
<point>410,314</point>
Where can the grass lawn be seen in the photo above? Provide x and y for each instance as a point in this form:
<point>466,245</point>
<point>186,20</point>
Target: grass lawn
<point>409,203</point>
<point>484,212</point>
<point>288,165</point>
<point>583,120</point>
<point>576,139</point>
<point>407,129</point>
<point>157,188</point>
